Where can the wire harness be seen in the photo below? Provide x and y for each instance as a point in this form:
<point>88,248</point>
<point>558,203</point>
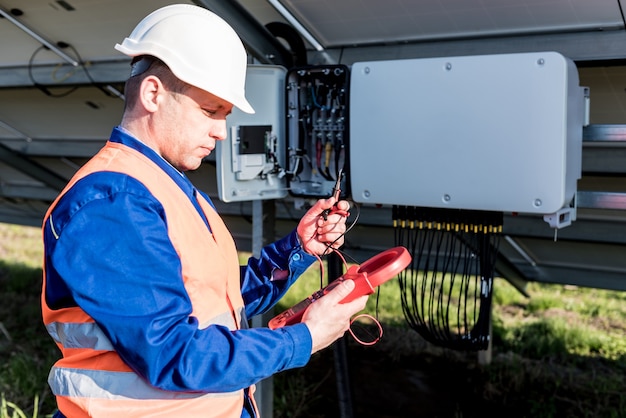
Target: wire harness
<point>446,293</point>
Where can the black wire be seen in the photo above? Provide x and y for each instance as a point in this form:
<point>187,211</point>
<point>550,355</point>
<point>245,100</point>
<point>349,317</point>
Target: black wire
<point>341,54</point>
<point>621,11</point>
<point>43,87</point>
<point>88,74</point>
<point>82,64</point>
<point>450,278</point>
<point>329,246</point>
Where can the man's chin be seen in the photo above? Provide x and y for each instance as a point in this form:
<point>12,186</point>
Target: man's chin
<point>194,165</point>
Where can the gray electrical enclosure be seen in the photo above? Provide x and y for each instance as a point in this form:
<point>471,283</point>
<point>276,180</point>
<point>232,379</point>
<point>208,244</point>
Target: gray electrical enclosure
<point>491,132</point>
<point>249,161</point>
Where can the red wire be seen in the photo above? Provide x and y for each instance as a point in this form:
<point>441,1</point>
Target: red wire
<point>357,339</point>
<point>345,264</point>
<point>375,320</point>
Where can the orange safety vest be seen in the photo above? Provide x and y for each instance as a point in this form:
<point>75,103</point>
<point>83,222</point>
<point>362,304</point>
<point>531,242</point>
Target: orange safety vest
<point>95,381</point>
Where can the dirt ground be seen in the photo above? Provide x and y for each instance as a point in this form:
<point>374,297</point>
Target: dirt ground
<point>404,377</point>
<point>375,383</point>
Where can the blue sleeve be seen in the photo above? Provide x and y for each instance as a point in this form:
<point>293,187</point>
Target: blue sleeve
<point>107,251</point>
<point>266,279</point>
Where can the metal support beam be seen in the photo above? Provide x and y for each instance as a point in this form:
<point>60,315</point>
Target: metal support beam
<point>14,190</point>
<point>259,41</point>
<point>340,350</point>
<point>601,200</point>
<point>28,213</point>
<point>605,45</point>
<point>604,150</point>
<point>263,225</point>
<point>55,147</point>
<point>101,72</point>
<point>7,15</point>
<point>604,133</point>
<point>31,168</point>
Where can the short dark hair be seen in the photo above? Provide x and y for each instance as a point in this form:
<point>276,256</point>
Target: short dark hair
<point>144,66</point>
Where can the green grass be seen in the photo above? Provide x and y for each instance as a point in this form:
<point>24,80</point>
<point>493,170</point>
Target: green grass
<point>26,350</point>
<point>560,352</point>
<point>556,319</point>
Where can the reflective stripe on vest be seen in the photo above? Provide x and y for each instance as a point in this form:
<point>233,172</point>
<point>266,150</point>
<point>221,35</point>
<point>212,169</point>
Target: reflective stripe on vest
<point>81,335</point>
<point>89,334</point>
<point>92,380</point>
<point>83,383</point>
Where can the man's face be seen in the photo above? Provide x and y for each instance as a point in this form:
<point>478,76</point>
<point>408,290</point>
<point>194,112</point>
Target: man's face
<point>190,123</point>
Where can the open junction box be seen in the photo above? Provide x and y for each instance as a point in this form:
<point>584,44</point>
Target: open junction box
<point>491,132</point>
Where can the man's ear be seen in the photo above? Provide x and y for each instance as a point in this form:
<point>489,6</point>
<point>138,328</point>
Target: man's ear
<point>150,92</point>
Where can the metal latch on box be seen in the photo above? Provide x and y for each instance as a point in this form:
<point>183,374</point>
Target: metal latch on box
<point>562,218</point>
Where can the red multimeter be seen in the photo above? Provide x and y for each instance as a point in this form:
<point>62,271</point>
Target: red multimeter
<point>367,276</point>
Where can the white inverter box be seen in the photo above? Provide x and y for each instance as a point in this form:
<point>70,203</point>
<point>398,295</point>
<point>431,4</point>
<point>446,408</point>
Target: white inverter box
<point>491,132</point>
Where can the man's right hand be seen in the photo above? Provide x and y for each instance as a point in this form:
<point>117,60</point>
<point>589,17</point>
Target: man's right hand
<point>327,319</point>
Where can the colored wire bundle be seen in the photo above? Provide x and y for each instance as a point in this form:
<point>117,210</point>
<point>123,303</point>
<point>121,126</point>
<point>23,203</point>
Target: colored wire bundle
<point>447,291</point>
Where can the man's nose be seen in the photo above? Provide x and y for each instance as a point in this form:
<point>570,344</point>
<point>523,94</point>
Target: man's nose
<point>218,131</point>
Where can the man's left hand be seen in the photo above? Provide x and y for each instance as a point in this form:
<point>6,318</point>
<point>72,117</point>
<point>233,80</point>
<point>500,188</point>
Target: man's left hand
<point>318,232</point>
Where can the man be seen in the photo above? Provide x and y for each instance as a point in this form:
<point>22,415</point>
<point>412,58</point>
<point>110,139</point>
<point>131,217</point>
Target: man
<point>143,292</point>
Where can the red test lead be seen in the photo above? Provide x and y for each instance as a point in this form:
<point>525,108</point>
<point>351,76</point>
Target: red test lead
<point>372,273</point>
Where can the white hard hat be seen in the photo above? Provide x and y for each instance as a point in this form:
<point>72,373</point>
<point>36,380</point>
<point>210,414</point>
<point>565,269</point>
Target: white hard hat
<point>198,46</point>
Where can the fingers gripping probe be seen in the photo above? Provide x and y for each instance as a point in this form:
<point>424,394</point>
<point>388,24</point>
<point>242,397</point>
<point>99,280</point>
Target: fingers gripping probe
<point>372,273</point>
<point>336,194</point>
